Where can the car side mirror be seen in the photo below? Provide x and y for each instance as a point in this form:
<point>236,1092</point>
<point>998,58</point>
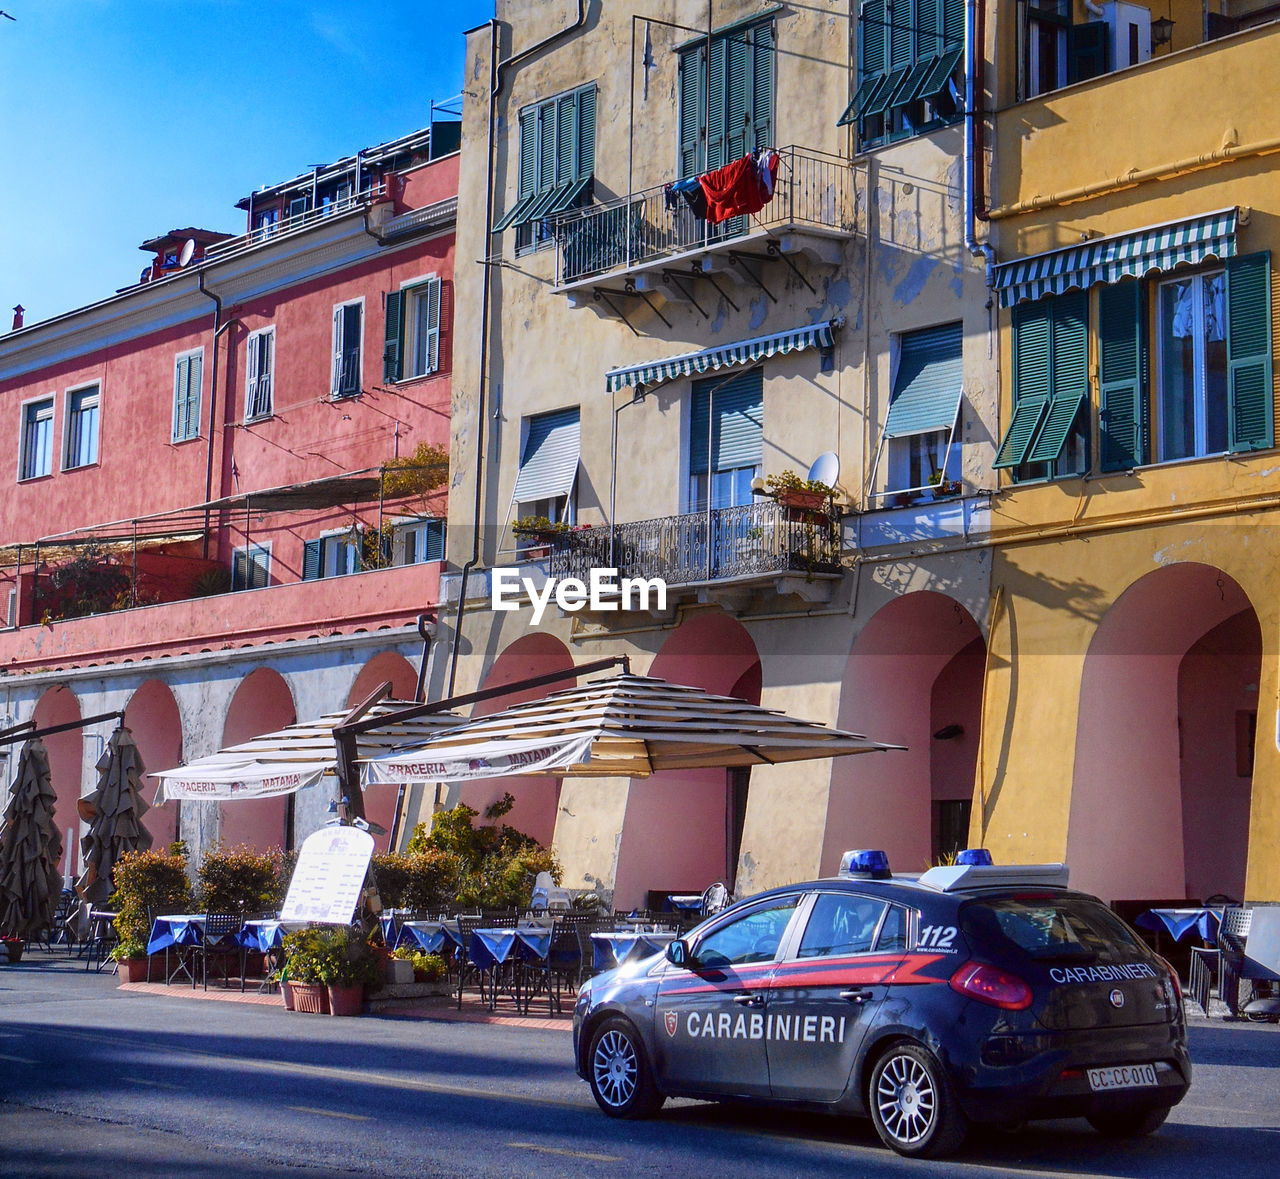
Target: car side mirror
<point>678,953</point>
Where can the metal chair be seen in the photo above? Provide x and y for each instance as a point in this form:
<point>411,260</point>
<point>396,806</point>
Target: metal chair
<point>61,927</point>
<point>1232,935</point>
<point>219,941</point>
<point>467,925</point>
<point>101,941</point>
<point>1203,974</point>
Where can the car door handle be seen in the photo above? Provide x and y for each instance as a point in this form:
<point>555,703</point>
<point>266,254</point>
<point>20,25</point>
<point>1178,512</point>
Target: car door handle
<point>749,1000</point>
<point>856,996</point>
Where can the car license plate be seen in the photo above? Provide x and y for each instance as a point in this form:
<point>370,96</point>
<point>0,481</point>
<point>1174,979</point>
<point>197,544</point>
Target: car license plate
<point>1123,1076</point>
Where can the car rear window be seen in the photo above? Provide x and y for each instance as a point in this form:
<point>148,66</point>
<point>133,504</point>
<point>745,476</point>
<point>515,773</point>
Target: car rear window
<point>1050,927</point>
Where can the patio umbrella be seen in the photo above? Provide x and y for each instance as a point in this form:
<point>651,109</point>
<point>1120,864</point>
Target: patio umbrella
<point>114,812</point>
<point>30,848</point>
<point>620,726</point>
<point>292,758</point>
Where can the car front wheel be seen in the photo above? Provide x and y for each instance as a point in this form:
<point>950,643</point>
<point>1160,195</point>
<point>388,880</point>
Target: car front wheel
<point>621,1081</point>
<point>912,1105</point>
<point>1128,1123</point>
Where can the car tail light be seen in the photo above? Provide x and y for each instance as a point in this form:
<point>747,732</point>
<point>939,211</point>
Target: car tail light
<point>1173,980</point>
<point>990,984</point>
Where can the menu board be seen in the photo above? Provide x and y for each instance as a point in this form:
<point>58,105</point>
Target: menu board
<point>327,882</point>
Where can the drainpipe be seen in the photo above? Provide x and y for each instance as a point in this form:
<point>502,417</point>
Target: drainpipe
<point>496,69</point>
<point>974,206</point>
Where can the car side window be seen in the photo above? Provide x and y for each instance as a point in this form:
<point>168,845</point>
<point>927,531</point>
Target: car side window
<point>841,923</point>
<point>893,932</point>
<point>753,937</point>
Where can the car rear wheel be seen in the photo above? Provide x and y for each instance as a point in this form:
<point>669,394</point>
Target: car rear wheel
<point>1128,1123</point>
<point>912,1105</point>
<point>621,1081</point>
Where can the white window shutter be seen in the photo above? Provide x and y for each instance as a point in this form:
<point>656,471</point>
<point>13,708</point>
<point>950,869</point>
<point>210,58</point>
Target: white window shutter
<point>179,402</point>
<point>266,372</point>
<point>337,351</point>
<point>432,296</point>
<point>251,407</point>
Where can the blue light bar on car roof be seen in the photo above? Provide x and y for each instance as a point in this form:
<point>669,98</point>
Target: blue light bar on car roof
<point>870,863</point>
<point>961,876</point>
<point>973,855</point>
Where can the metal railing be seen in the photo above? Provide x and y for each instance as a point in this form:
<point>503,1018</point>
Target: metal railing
<point>813,189</point>
<point>286,225</point>
<point>751,540</point>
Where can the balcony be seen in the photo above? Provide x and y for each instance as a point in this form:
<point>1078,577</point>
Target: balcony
<point>642,238</point>
<point>762,545</point>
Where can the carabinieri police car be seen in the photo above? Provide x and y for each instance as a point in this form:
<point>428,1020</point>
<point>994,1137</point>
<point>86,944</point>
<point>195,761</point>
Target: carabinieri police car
<point>969,994</point>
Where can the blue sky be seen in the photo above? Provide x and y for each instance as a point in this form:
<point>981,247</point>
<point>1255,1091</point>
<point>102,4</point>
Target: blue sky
<point>123,119</point>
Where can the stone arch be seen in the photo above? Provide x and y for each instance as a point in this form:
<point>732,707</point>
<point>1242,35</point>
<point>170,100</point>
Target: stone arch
<point>153,718</point>
<point>1162,777</point>
<point>261,704</point>
<point>914,678</point>
<point>683,828</point>
<point>381,800</point>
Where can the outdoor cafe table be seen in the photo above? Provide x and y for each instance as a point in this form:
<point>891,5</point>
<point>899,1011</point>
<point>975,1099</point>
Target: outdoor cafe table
<point>267,934</point>
<point>492,949</point>
<point>184,931</point>
<point>429,936</point>
<point>613,949</point>
<point>1180,922</point>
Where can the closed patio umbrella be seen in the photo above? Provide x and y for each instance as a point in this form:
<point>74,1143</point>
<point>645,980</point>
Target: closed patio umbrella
<point>30,848</point>
<point>114,812</point>
<point>621,726</point>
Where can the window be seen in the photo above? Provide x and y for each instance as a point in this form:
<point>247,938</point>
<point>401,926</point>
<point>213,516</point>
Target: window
<point>841,923</point>
<point>260,354</point>
<point>348,324</point>
<point>753,937</point>
<point>549,466</point>
<point>726,111</point>
<point>331,556</point>
<point>921,424</point>
<point>726,434</point>
<point>415,541</point>
<point>188,371</point>
<point>950,826</point>
<point>910,68</point>
<point>265,219</point>
<point>1056,52</point>
<point>297,206</point>
<point>1048,435</point>
<point>411,346</point>
<point>1191,411</point>
<point>82,428</point>
<point>37,439</point>
<point>557,158</point>
<point>251,567</point>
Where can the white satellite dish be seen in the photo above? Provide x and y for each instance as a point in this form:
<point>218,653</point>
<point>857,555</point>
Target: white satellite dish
<point>825,469</point>
<point>188,251</point>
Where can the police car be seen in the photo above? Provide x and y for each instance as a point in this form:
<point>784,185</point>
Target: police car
<point>972,993</point>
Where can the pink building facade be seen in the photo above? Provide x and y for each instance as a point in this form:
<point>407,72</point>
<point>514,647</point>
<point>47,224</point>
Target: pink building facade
<point>228,483</point>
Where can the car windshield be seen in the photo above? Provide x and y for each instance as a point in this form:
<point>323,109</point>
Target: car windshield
<point>1050,926</point>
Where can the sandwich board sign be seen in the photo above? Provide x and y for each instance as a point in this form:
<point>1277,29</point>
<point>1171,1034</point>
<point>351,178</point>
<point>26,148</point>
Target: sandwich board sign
<point>330,875</point>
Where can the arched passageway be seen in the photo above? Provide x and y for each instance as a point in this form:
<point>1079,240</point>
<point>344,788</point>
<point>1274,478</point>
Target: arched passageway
<point>385,667</point>
<point>1163,772</point>
<point>152,717</point>
<point>914,678</point>
<point>261,704</point>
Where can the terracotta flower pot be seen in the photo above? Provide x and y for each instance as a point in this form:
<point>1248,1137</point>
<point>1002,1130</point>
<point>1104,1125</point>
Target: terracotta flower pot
<point>286,993</point>
<point>133,969</point>
<point>310,997</point>
<point>810,501</point>
<point>14,950</point>
<point>346,1000</point>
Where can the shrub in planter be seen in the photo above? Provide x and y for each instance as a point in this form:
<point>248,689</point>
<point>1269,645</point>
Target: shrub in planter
<point>132,958</point>
<point>243,880</point>
<point>148,882</point>
<point>426,967</point>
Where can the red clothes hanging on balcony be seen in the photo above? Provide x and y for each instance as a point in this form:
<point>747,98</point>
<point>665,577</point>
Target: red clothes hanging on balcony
<point>744,186</point>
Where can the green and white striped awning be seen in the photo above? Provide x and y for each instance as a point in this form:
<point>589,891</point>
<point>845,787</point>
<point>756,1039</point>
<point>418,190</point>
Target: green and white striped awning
<point>1124,255</point>
<point>819,335</point>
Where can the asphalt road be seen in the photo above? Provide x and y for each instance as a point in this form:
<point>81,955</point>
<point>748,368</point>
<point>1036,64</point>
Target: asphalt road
<point>94,1080</point>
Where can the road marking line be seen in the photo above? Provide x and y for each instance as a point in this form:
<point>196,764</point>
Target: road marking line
<point>328,1113</point>
<point>18,1059</point>
<point>149,1084</point>
<point>569,1154</point>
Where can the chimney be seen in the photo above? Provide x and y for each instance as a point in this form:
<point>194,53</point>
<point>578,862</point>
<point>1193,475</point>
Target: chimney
<point>17,317</point>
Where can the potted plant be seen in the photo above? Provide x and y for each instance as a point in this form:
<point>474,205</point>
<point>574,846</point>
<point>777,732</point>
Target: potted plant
<point>13,947</point>
<point>791,491</point>
<point>304,954</point>
<point>426,968</point>
<point>132,960</point>
<point>942,488</point>
<point>538,533</point>
<point>147,883</point>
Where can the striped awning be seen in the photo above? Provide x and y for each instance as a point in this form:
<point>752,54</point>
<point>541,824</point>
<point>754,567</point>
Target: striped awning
<point>818,335</point>
<point>1124,255</point>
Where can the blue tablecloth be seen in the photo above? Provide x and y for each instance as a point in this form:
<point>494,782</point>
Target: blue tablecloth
<point>1180,922</point>
<point>266,935</point>
<point>493,947</point>
<point>685,904</point>
<point>613,949</point>
<point>429,936</point>
<point>176,929</point>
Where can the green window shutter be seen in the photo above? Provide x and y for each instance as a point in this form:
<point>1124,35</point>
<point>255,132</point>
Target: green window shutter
<point>433,545</point>
<point>546,146</point>
<point>393,337</point>
<point>926,387</point>
<point>1032,385</point>
<point>928,28</point>
<point>953,23</point>
<point>738,54</point>
<point>311,553</point>
<point>738,437</point>
<point>762,87</point>
<point>1026,421</point>
<point>528,151</point>
<point>872,39</point>
<point>690,113</point>
<point>1068,374</point>
<point>901,35</point>
<point>1059,417</point>
<point>586,132</point>
<point>1249,378</point>
<point>1122,370</point>
<point>566,162</point>
<point>716,131</point>
<point>1087,50</point>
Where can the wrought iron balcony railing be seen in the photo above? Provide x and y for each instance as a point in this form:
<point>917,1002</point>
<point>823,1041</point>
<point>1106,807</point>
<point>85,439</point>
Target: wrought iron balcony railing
<point>814,190</point>
<point>753,540</point>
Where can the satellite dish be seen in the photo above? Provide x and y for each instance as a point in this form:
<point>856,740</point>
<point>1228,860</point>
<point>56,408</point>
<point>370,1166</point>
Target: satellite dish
<point>825,469</point>
<point>188,251</point>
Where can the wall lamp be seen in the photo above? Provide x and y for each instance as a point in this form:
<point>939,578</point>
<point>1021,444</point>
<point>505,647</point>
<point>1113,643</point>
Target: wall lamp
<point>1161,30</point>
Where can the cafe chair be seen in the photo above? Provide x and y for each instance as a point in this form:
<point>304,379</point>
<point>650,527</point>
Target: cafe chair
<point>1203,974</point>
<point>61,929</point>
<point>220,943</point>
<point>1232,936</point>
<point>101,940</point>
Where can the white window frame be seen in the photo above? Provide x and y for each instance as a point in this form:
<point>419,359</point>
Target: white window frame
<point>414,290</point>
<point>1036,28</point>
<point>254,377</point>
<point>415,527</point>
<point>178,358</point>
<point>68,432</point>
<point>335,380</point>
<point>23,455</point>
<point>253,552</point>
<point>1199,363</point>
<point>337,543</point>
